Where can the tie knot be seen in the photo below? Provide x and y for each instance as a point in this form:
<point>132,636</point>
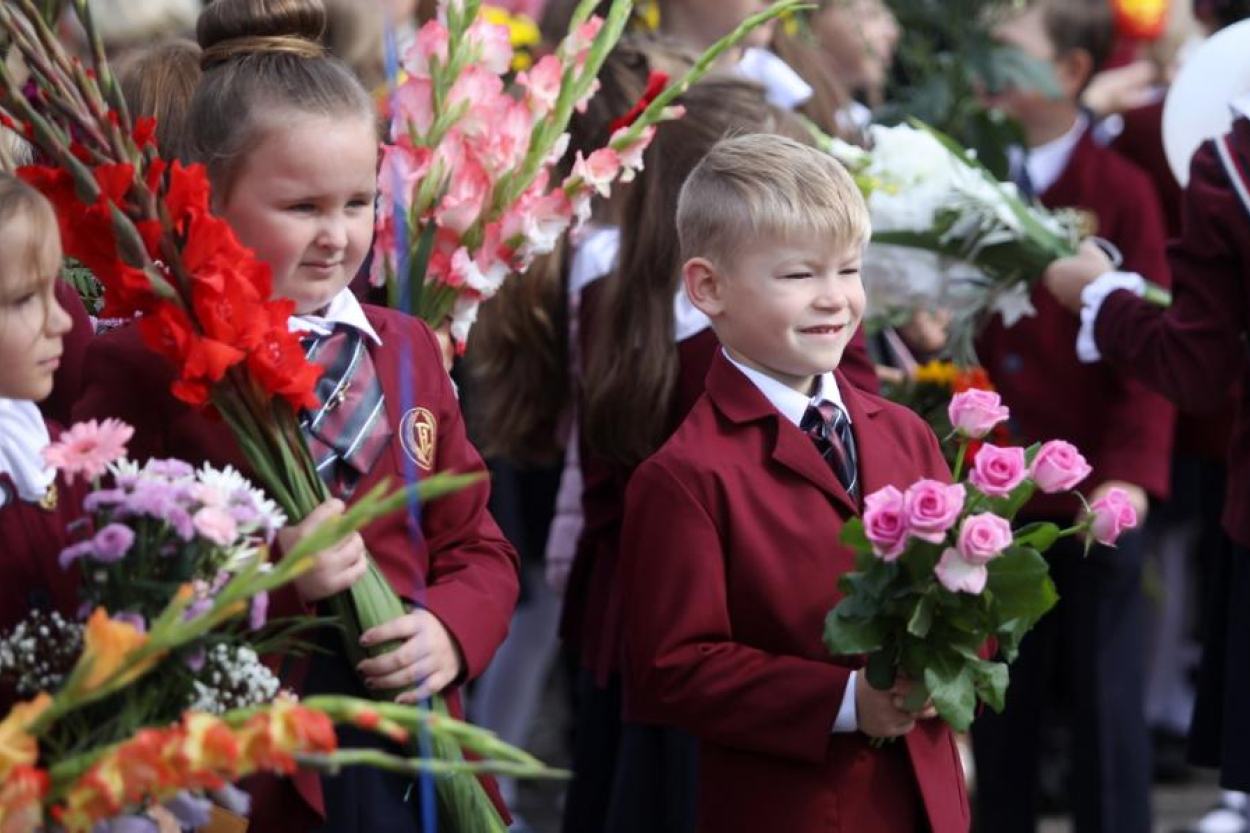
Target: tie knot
<point>823,417</point>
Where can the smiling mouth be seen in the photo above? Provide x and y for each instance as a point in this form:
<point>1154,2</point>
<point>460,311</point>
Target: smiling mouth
<point>824,329</point>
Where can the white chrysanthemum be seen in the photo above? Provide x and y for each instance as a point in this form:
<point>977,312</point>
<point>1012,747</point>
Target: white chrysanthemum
<point>241,494</point>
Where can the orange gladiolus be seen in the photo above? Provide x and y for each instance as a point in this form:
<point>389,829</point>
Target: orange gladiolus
<point>107,647</point>
<point>17,748</point>
<point>209,750</point>
<point>270,741</point>
<point>21,800</point>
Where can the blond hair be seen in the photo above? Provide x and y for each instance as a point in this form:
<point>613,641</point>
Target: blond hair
<point>762,184</point>
<point>17,200</point>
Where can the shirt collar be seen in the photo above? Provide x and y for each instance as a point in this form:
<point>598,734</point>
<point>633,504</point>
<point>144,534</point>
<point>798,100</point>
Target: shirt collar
<point>1241,106</point>
<point>788,401</point>
<point>783,87</point>
<point>23,437</point>
<point>342,309</point>
<point>1047,161</point>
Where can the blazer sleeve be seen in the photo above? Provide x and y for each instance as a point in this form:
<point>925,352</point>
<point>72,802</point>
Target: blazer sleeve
<point>473,578</point>
<point>682,665</point>
<point>1192,352</point>
<point>1139,427</point>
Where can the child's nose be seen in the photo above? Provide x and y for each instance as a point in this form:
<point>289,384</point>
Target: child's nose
<point>59,321</point>
<point>333,233</point>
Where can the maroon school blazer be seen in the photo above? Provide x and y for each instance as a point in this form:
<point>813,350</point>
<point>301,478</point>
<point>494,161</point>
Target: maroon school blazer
<point>1195,350</point>
<point>729,563</point>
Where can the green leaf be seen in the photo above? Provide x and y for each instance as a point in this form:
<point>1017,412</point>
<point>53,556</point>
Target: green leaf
<point>853,536</point>
<point>949,681</point>
<point>1019,580</point>
<point>845,635</point>
<point>921,618</point>
<point>882,670</point>
<point>990,680</point>
<point>1040,536</point>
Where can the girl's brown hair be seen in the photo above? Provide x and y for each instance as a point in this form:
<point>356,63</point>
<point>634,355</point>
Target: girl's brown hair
<point>262,60</point>
<point>632,364</point>
<point>17,199</point>
<point>518,355</point>
<point>160,81</point>
<point>828,94</point>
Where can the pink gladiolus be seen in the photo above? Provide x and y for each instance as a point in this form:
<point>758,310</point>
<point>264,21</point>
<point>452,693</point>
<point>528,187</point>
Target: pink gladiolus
<point>983,537</point>
<point>542,84</point>
<point>598,170</point>
<point>504,147</point>
<point>959,575</point>
<point>885,525</point>
<point>581,103</point>
<point>579,41</point>
<point>402,169</point>
<point>974,413</point>
<point>216,525</point>
<point>631,154</point>
<point>483,92</point>
<point>430,45</point>
<point>997,471</point>
<point>485,281</point>
<point>494,45</point>
<point>1112,514</point>
<point>931,508</point>
<point>414,107</point>
<point>1058,467</point>
<point>88,447</point>
<point>466,197</point>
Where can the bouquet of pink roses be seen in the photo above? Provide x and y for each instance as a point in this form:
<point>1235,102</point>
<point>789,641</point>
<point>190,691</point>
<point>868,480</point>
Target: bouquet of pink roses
<point>940,573</point>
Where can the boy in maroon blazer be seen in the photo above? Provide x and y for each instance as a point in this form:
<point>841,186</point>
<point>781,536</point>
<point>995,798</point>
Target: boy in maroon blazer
<point>1093,641</point>
<point>730,558</point>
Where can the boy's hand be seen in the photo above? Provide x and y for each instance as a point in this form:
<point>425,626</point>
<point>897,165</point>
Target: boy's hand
<point>429,658</point>
<point>1066,277</point>
<point>334,569</point>
<point>880,713</point>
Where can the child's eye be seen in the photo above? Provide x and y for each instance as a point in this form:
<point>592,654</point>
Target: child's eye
<point>23,299</point>
<point>851,270</point>
<point>302,207</point>
<point>361,203</point>
<point>796,275</point>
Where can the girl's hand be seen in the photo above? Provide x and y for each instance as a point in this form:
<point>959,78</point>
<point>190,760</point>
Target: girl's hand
<point>334,569</point>
<point>429,657</point>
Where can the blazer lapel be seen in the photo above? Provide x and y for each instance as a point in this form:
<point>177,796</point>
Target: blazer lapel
<point>742,403</point>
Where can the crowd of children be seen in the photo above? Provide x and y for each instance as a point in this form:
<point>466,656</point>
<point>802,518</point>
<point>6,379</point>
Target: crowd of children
<point>680,410</point>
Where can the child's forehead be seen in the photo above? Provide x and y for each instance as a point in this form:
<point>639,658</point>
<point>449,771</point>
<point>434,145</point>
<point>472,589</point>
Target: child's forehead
<point>822,244</point>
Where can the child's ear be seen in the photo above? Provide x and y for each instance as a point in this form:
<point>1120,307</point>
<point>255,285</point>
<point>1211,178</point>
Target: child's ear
<point>1074,71</point>
<point>703,286</point>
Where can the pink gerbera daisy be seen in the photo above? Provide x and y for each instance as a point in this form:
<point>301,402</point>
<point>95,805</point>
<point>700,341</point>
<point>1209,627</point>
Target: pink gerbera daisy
<point>88,447</point>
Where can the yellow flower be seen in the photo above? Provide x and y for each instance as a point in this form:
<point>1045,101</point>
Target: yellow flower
<point>107,648</point>
<point>17,748</point>
<point>647,14</point>
<point>937,373</point>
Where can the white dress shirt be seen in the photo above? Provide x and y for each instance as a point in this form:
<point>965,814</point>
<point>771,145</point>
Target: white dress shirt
<point>342,309</point>
<point>23,437</point>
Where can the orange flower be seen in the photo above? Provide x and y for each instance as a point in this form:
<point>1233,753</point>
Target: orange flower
<point>269,741</point>
<point>209,750</point>
<point>145,763</point>
<point>21,800</point>
<point>107,647</point>
<point>17,748</point>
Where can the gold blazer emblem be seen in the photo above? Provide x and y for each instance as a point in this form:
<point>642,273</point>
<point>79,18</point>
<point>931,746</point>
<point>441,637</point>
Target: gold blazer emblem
<point>418,434</point>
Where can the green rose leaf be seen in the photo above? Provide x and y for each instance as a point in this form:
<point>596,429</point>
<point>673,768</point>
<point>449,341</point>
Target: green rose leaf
<point>1040,536</point>
<point>921,618</point>
<point>1020,582</point>
<point>853,536</point>
<point>990,680</point>
<point>852,634</point>
<point>949,681</point>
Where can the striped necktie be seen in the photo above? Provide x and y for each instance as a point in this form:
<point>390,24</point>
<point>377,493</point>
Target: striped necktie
<point>830,430</point>
<point>348,431</point>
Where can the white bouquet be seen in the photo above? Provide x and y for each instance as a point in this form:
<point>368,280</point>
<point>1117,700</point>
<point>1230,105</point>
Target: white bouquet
<point>947,233</point>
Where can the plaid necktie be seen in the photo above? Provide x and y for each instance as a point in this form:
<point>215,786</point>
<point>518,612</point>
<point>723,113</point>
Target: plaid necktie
<point>830,430</point>
<point>347,433</point>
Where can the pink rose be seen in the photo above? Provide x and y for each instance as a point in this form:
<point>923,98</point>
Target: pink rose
<point>216,525</point>
<point>1112,515</point>
<point>884,522</point>
<point>1058,467</point>
<point>983,537</point>
<point>931,508</point>
<point>997,471</point>
<point>959,575</point>
<point>974,413</point>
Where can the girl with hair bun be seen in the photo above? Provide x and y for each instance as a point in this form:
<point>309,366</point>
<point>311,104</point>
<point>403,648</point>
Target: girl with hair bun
<point>288,136</point>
